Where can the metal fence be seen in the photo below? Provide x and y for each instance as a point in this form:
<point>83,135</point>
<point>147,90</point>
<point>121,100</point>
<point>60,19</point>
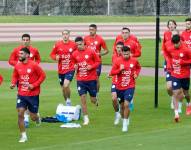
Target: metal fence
<point>93,7</point>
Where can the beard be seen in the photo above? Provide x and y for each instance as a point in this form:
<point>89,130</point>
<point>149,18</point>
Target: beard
<point>22,59</point>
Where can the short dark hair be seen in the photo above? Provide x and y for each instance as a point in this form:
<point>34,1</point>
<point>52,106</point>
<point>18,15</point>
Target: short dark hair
<point>125,48</point>
<point>175,38</point>
<point>187,19</point>
<point>120,43</point>
<point>171,21</point>
<point>26,35</point>
<point>25,49</point>
<point>79,38</point>
<point>125,28</point>
<point>93,26</point>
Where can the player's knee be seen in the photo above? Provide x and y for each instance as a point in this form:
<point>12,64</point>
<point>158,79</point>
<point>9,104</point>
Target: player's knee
<point>20,115</point>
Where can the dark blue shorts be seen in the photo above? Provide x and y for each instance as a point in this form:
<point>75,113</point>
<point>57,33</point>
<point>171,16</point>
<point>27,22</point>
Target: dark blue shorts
<point>87,86</point>
<point>127,95</point>
<point>113,88</point>
<point>28,102</point>
<point>69,76</point>
<point>168,76</point>
<point>98,70</point>
<point>180,83</point>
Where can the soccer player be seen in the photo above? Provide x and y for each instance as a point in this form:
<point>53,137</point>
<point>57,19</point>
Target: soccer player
<point>179,60</point>
<point>98,44</point>
<point>29,76</point>
<point>171,25</point>
<point>62,52</point>
<point>129,40</point>
<point>34,55</point>
<point>1,79</point>
<point>186,34</point>
<point>119,47</point>
<point>86,61</point>
<point>26,42</point>
<point>127,70</point>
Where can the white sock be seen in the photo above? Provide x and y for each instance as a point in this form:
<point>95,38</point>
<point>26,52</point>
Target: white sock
<point>68,100</point>
<point>125,122</point>
<point>176,113</point>
<point>117,113</point>
<point>23,134</point>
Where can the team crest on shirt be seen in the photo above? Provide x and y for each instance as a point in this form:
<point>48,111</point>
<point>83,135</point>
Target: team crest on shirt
<point>31,55</point>
<point>181,54</point>
<point>96,42</point>
<point>70,49</point>
<point>86,56</point>
<point>29,70</point>
<point>131,65</point>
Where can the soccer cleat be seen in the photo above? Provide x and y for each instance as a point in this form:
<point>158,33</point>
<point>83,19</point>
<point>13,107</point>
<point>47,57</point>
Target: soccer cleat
<point>188,110</point>
<point>125,128</point>
<point>117,118</point>
<point>23,139</point>
<point>26,123</point>
<point>86,121</point>
<point>177,119</point>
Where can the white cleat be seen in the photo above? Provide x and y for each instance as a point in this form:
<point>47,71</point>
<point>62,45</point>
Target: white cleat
<point>23,139</point>
<point>86,121</point>
<point>125,128</point>
<point>117,118</point>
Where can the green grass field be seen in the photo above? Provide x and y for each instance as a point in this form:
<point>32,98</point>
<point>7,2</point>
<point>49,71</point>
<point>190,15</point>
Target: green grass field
<point>85,19</point>
<point>147,58</point>
<point>149,128</point>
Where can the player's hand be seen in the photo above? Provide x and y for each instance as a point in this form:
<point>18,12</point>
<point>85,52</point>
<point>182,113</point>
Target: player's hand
<point>57,57</point>
<point>89,67</point>
<point>12,86</point>
<point>30,87</point>
<point>122,67</point>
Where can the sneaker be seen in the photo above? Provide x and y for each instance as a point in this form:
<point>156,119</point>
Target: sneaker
<point>125,128</point>
<point>86,121</point>
<point>188,110</point>
<point>117,118</point>
<point>23,139</point>
<point>177,119</point>
<point>26,123</point>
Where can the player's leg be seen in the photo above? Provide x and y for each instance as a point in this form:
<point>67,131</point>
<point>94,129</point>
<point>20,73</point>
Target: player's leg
<point>82,91</point>
<point>98,70</point>
<point>33,105</point>
<point>26,118</point>
<point>128,96</point>
<point>115,104</point>
<point>92,89</point>
<point>177,95</point>
<point>21,108</point>
<point>185,86</point>
<point>66,87</point>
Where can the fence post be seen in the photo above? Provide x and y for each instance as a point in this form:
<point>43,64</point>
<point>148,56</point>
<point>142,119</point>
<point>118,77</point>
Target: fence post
<point>108,7</point>
<point>26,7</point>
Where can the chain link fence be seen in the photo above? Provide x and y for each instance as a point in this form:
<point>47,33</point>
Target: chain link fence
<point>93,7</point>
